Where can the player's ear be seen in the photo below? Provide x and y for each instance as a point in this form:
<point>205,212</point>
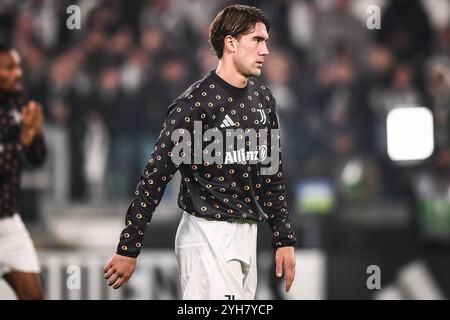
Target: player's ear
<point>229,44</point>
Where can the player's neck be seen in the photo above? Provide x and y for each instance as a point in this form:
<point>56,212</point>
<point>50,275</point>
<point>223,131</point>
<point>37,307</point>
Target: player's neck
<point>228,73</point>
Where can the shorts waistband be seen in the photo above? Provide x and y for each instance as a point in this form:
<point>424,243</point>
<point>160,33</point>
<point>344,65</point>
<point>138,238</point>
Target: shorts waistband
<point>238,221</point>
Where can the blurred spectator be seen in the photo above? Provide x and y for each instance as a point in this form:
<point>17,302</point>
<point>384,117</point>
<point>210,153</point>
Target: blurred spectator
<point>438,88</point>
<point>442,46</point>
<point>401,91</point>
<point>406,30</point>
<point>95,150</point>
<point>172,20</point>
<point>113,108</point>
<point>281,80</point>
<point>338,27</point>
<point>335,89</point>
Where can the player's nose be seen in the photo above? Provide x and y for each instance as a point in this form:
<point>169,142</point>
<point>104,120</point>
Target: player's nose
<point>264,51</point>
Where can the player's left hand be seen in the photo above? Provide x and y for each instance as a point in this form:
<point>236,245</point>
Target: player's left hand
<point>32,122</point>
<point>285,260</point>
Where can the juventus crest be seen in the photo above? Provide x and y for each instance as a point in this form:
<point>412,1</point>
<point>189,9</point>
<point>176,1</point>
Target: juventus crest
<point>263,116</point>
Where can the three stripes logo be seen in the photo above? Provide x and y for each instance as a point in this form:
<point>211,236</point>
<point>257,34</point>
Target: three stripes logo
<point>227,122</point>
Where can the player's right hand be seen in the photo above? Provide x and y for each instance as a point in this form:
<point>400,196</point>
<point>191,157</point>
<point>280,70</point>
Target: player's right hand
<point>32,119</point>
<point>119,270</point>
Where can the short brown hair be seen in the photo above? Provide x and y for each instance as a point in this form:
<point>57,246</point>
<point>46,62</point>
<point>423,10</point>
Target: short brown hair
<point>235,20</point>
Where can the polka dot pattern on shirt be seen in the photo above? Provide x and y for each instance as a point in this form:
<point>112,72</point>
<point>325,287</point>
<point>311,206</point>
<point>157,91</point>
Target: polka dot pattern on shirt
<point>230,191</point>
<point>12,153</point>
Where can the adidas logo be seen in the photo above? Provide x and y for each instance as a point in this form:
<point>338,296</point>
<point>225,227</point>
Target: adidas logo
<point>227,122</point>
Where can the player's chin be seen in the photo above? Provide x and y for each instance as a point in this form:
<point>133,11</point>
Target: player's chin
<point>256,72</point>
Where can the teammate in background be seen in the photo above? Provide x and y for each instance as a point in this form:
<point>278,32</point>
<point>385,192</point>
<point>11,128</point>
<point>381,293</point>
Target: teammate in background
<point>216,239</point>
<point>20,139</point>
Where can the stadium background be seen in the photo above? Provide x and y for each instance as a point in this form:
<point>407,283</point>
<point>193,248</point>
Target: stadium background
<point>105,89</point>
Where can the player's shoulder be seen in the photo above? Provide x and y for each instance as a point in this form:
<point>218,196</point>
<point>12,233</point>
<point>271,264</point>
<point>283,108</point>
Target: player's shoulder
<point>195,92</point>
<point>191,98</point>
<point>259,86</point>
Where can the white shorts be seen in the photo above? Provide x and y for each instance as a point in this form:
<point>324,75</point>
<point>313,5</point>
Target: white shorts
<point>17,251</point>
<point>216,259</point>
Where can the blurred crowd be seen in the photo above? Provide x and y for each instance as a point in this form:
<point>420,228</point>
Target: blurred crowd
<point>109,84</point>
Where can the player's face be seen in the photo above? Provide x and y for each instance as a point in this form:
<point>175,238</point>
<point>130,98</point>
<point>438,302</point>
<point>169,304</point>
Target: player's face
<point>10,72</point>
<point>251,49</point>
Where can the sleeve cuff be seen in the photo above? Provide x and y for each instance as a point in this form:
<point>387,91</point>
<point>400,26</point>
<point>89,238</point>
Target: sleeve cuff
<point>283,236</point>
<point>129,254</point>
<point>130,242</point>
